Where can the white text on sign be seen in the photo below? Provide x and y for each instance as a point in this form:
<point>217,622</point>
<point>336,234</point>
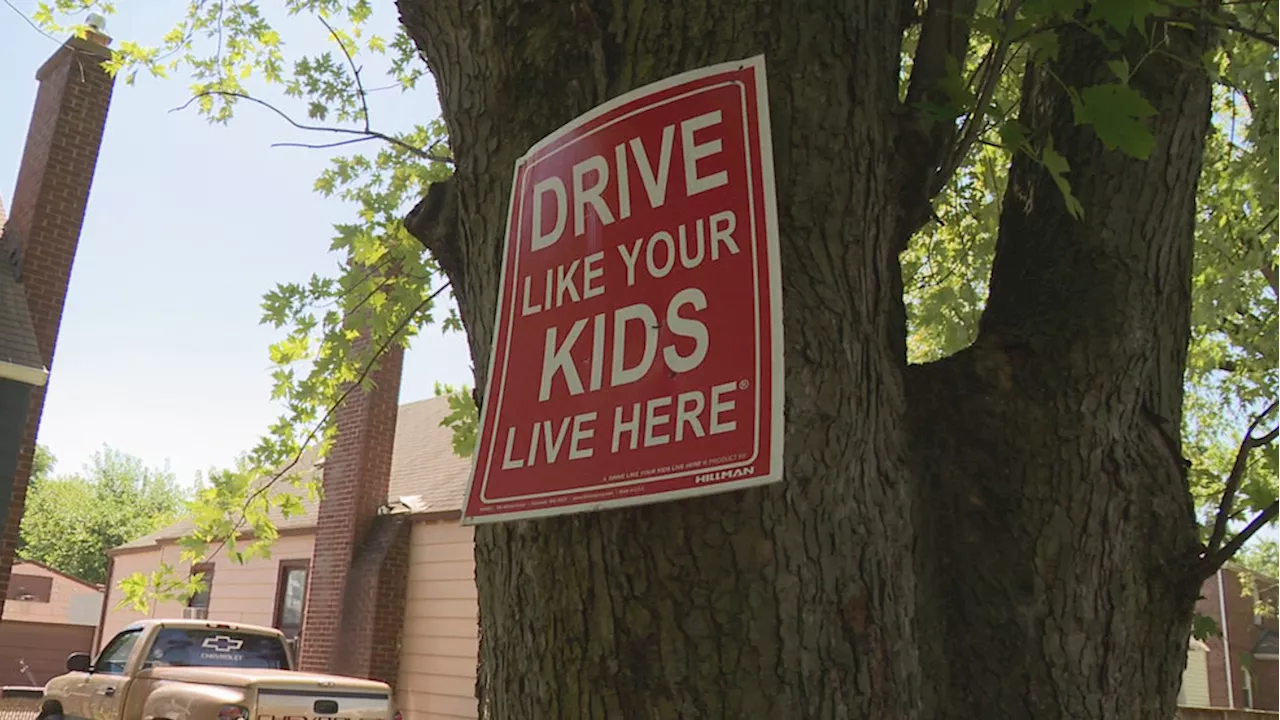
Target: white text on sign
<point>654,179</point>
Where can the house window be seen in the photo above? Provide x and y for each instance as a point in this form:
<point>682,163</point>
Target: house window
<point>115,656</point>
<point>291,597</point>
<point>201,599</point>
<point>1248,687</point>
<point>29,588</point>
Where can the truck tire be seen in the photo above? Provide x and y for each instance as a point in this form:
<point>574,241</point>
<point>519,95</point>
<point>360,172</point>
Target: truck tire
<point>50,710</point>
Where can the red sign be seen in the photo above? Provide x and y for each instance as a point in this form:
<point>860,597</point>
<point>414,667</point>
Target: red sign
<point>638,347</point>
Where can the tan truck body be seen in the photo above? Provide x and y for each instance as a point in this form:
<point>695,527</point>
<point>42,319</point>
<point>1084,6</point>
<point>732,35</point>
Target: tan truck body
<point>142,685</point>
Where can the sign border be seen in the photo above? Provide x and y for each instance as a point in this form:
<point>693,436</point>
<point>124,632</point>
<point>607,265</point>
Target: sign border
<point>756,64</point>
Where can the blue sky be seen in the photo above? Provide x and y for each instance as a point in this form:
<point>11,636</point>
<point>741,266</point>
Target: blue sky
<point>160,353</point>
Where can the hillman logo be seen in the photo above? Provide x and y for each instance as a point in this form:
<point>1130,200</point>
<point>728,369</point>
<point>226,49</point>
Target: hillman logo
<point>725,475</point>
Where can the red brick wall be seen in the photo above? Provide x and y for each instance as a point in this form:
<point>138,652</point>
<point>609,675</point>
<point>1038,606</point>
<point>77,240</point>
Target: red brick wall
<point>1241,635</point>
<point>1216,660</point>
<point>1266,673</point>
<point>355,478</point>
<point>46,215</point>
<point>393,585</point>
<point>373,610</point>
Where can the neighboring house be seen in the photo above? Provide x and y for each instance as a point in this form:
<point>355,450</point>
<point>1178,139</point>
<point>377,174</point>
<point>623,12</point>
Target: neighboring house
<point>1241,663</point>
<point>48,615</point>
<point>433,642</point>
<point>38,242</point>
<point>389,573</point>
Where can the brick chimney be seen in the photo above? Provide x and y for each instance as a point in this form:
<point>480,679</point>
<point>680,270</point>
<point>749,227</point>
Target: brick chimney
<point>45,217</point>
<point>359,567</point>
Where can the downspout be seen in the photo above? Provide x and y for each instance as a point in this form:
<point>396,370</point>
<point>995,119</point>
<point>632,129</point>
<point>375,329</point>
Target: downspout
<point>1226,640</point>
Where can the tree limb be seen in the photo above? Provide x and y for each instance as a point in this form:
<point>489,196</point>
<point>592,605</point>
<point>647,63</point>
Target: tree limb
<point>372,134</point>
<point>1238,468</point>
<point>333,407</point>
<point>1269,271</point>
<point>993,64</point>
<point>1272,275</point>
<point>1216,560</point>
<point>355,71</point>
<point>322,146</point>
<point>944,35</point>
<point>1236,27</point>
<point>434,222</point>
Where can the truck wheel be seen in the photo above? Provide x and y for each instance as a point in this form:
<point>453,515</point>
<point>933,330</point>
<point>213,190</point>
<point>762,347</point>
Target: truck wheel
<point>51,710</point>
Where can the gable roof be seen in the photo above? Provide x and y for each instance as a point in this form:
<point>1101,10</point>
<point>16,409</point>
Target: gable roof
<point>19,562</point>
<point>20,358</point>
<point>426,475</point>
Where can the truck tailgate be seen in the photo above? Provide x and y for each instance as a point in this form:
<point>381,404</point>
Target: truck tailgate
<point>279,703</point>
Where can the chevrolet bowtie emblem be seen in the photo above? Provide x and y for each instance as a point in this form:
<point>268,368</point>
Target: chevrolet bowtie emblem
<point>222,643</point>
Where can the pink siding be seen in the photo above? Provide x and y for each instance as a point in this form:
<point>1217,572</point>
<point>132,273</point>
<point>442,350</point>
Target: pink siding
<point>241,593</point>
<point>70,603</point>
<point>439,649</point>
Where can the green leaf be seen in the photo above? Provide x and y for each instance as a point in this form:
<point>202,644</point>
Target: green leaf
<point>1204,627</point>
<point>1013,135</point>
<point>1058,167</point>
<point>1123,14</point>
<point>1120,68</point>
<point>1117,113</point>
<point>1052,10</point>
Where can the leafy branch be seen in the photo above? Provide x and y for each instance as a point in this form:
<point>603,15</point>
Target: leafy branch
<point>989,71</point>
<point>355,71</point>
<point>365,371</point>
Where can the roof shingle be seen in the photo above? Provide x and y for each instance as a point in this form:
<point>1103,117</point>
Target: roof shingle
<point>19,353</point>
<point>425,472</point>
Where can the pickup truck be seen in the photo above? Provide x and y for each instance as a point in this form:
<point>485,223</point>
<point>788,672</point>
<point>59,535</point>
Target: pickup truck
<point>205,670</point>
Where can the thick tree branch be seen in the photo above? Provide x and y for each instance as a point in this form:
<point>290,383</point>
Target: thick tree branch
<point>1272,275</point>
<point>1232,486</point>
<point>371,134</point>
<point>990,71</point>
<point>1269,271</point>
<point>1216,560</point>
<point>1233,26</point>
<point>434,222</point>
<point>944,37</point>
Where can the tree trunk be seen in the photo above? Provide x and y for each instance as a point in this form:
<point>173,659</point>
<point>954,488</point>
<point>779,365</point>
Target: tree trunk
<point>996,535</point>
<point>1064,536</point>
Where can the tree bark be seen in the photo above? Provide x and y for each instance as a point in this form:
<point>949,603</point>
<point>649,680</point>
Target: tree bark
<point>996,535</point>
<point>1059,575</point>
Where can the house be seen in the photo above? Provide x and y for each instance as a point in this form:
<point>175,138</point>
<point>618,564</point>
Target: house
<point>432,643</point>
<point>38,242</point>
<point>417,562</point>
<point>382,574</point>
<point>1238,667</point>
<point>48,615</point>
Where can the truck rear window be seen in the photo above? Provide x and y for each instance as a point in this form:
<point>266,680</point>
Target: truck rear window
<point>190,647</point>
